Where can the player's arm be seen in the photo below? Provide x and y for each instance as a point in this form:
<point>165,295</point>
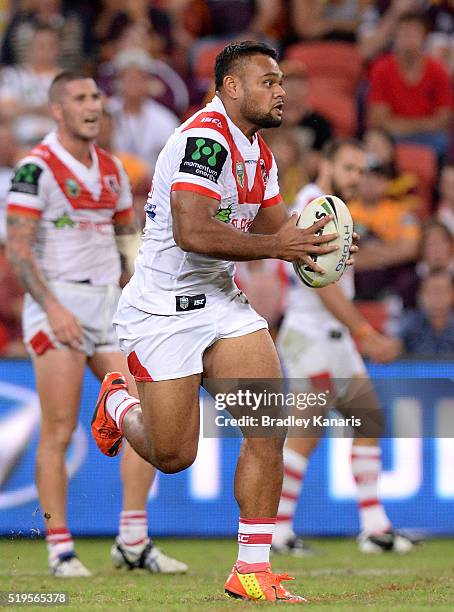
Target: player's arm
<point>374,345</point>
<point>196,229</point>
<point>270,220</point>
<point>127,238</point>
<point>127,235</point>
<point>22,230</point>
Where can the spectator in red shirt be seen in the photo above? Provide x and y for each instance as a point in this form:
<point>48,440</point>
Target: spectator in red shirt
<point>410,92</point>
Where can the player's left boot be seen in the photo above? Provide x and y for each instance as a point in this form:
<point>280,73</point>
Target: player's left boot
<point>294,546</point>
<point>150,558</point>
<point>389,541</point>
<point>104,429</point>
<point>260,586</point>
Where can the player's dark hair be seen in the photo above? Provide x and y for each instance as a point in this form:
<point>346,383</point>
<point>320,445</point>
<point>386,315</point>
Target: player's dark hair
<point>332,147</point>
<point>235,52</point>
<point>62,79</point>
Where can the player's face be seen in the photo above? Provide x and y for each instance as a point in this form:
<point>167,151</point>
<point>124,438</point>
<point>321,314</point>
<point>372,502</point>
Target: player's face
<point>262,95</point>
<point>348,167</point>
<point>79,111</point>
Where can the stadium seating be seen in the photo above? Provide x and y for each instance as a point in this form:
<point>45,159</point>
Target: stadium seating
<point>333,70</point>
<point>339,63</point>
<point>421,161</point>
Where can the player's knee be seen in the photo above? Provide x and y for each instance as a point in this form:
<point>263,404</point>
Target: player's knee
<point>57,436</point>
<point>269,448</point>
<point>171,462</point>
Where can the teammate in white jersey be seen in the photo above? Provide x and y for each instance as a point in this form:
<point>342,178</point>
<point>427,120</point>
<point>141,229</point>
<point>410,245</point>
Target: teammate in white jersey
<point>315,343</point>
<point>215,199</point>
<point>69,204</point>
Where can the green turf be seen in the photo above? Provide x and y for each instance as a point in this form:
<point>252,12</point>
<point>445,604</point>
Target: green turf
<point>337,578</point>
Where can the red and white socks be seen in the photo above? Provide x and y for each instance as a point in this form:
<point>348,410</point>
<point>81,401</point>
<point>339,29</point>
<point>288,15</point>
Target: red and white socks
<point>118,404</point>
<point>60,544</point>
<point>254,541</point>
<point>295,466</point>
<point>133,532</point>
<point>366,469</point>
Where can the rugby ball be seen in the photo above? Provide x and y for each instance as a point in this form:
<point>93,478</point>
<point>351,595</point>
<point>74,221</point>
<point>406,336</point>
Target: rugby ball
<point>333,263</point>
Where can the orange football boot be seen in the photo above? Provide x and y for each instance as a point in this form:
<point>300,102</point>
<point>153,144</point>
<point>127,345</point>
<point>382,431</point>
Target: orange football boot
<point>104,429</point>
<point>260,586</point>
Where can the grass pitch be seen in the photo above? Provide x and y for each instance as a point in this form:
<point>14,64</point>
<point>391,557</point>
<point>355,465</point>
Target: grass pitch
<point>337,578</point>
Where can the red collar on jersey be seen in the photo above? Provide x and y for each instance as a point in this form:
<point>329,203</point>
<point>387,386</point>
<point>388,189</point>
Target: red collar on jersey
<point>74,190</point>
<point>218,122</point>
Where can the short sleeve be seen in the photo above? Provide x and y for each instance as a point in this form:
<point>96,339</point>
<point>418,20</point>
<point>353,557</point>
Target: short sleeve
<point>200,162</point>
<point>27,192</point>
<point>124,212</point>
<point>272,195</point>
<point>442,87</point>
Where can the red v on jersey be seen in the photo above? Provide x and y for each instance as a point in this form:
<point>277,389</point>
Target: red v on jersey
<point>73,188</point>
<point>256,195</point>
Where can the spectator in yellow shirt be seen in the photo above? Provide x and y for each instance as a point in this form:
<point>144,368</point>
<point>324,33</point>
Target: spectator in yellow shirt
<point>390,234</point>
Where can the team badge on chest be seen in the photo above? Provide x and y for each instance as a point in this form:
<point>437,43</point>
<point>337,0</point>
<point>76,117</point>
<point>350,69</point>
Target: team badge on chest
<point>72,188</point>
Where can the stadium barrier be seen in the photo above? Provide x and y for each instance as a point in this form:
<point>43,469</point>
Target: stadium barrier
<point>417,484</point>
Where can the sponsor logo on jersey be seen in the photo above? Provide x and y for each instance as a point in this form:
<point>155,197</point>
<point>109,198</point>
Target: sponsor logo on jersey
<point>26,179</point>
<point>203,157</point>
<point>214,120</point>
<point>64,221</point>
<point>72,188</point>
<point>239,171</point>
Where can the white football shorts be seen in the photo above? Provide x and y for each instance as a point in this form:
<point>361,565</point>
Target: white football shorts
<point>331,354</point>
<point>163,347</point>
<point>93,305</point>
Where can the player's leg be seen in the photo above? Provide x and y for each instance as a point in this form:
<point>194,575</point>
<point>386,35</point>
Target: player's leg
<point>59,376</point>
<point>258,477</point>
<point>297,452</point>
<point>133,547</point>
<point>306,363</point>
<point>376,534</point>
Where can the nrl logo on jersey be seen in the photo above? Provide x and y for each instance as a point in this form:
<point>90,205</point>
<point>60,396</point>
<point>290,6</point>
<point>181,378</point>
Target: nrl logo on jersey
<point>239,171</point>
<point>111,183</point>
<point>72,188</point>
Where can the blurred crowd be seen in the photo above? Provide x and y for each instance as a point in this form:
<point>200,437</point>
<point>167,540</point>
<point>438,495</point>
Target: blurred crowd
<point>379,70</point>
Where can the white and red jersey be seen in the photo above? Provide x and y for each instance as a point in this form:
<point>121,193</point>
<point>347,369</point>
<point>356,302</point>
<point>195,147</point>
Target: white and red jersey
<point>305,309</point>
<point>208,155</point>
<point>76,207</point>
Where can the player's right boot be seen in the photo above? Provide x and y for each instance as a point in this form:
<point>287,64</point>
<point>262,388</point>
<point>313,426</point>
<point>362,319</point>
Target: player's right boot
<point>104,429</point>
<point>260,586</point>
<point>68,566</point>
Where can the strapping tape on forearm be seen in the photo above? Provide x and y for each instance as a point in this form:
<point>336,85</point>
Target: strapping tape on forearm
<point>128,246</point>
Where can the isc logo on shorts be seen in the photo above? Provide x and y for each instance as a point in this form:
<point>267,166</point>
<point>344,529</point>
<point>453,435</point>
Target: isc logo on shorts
<point>190,302</point>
